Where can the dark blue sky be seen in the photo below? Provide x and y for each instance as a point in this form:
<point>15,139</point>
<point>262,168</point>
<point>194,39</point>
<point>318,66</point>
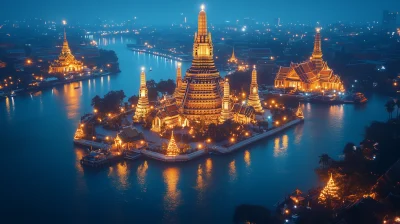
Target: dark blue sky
<point>168,11</point>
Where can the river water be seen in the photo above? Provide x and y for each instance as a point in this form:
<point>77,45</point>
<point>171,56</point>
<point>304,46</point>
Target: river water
<point>43,181</point>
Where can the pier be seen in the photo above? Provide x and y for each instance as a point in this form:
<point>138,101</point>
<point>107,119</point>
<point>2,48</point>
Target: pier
<point>178,158</point>
<point>97,145</point>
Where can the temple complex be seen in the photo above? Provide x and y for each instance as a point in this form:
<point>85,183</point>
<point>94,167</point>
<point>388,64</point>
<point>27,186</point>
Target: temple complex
<point>66,62</point>
<point>311,75</point>
<point>254,98</point>
<point>200,93</point>
<point>233,59</point>
<point>143,106</point>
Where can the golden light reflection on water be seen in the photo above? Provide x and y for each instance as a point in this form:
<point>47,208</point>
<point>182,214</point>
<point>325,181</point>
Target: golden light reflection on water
<point>79,154</point>
<point>281,149</point>
<point>336,112</point>
<point>141,175</point>
<point>208,167</point>
<point>72,99</point>
<point>200,179</point>
<point>247,158</point>
<point>8,106</point>
<point>122,172</point>
<point>232,171</point>
<point>172,195</point>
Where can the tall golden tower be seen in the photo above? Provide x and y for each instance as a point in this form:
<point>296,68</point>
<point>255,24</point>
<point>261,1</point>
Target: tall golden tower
<point>329,193</point>
<point>254,98</point>
<point>66,62</point>
<point>178,78</point>
<point>200,93</point>
<point>317,53</point>
<point>226,104</point>
<point>143,106</point>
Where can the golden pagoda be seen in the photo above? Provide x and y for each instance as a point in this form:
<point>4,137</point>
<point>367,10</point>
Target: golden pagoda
<point>172,149</point>
<point>66,62</point>
<point>233,59</point>
<point>299,112</point>
<point>143,106</point>
<point>178,78</point>
<point>311,75</point>
<point>226,104</point>
<point>329,192</point>
<point>199,96</point>
<point>254,98</point>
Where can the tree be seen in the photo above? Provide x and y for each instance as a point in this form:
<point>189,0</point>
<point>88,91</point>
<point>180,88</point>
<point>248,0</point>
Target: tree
<point>324,160</point>
<point>133,100</point>
<point>110,103</point>
<point>390,108</point>
<point>398,107</point>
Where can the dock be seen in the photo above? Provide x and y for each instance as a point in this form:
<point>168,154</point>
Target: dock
<point>96,145</point>
<point>224,150</point>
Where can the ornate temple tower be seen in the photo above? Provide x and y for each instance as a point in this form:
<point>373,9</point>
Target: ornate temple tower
<point>233,58</point>
<point>317,53</point>
<point>143,106</point>
<point>66,62</point>
<point>200,93</point>
<point>254,98</point>
<point>226,105</point>
<point>178,78</point>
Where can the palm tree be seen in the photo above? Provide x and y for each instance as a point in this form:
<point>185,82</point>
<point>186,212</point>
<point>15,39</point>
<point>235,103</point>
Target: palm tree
<point>324,160</point>
<point>390,108</point>
<point>398,107</point>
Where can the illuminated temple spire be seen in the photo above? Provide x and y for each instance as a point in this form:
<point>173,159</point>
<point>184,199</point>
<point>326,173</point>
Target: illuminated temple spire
<point>317,53</point>
<point>65,47</point>
<point>178,75</point>
<point>233,58</point>
<point>254,98</point>
<point>299,112</point>
<point>329,192</point>
<point>226,105</point>
<point>199,95</point>
<point>143,106</point>
<point>172,149</point>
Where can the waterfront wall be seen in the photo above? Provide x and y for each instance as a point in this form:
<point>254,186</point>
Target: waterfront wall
<point>178,158</point>
<point>255,138</point>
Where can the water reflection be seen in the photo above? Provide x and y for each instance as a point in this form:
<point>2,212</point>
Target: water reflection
<point>79,155</point>
<point>72,99</point>
<point>281,149</point>
<point>247,158</point>
<point>200,179</point>
<point>141,175</point>
<point>208,167</point>
<point>232,171</point>
<point>172,195</point>
<point>122,172</point>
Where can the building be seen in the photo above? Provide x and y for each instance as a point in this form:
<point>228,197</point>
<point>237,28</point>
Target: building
<point>389,21</point>
<point>226,104</point>
<point>254,98</point>
<point>143,106</point>
<point>200,95</point>
<point>243,114</point>
<point>311,75</point>
<point>233,58</point>
<point>66,62</point>
<point>129,137</point>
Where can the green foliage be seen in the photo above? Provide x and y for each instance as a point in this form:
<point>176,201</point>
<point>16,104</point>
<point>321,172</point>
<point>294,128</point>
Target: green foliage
<point>110,103</point>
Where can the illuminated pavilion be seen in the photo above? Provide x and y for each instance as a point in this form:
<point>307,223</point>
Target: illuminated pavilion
<point>233,58</point>
<point>329,192</point>
<point>311,75</point>
<point>172,149</point>
<point>66,61</point>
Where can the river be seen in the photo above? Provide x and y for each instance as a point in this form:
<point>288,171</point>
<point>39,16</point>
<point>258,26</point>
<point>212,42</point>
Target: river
<point>43,181</point>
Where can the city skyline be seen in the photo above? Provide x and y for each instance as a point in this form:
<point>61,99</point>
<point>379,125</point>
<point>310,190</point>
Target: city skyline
<point>219,12</point>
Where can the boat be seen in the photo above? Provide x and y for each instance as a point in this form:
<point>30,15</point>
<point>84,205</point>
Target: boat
<point>150,69</point>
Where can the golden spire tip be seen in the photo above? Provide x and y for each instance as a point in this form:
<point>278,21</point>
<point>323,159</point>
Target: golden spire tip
<point>202,7</point>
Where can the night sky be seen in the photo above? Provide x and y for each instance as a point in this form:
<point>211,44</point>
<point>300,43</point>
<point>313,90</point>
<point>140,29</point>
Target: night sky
<point>169,11</point>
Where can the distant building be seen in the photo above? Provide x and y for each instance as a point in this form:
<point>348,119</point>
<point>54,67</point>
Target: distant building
<point>66,62</point>
<point>311,75</point>
<point>389,21</point>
